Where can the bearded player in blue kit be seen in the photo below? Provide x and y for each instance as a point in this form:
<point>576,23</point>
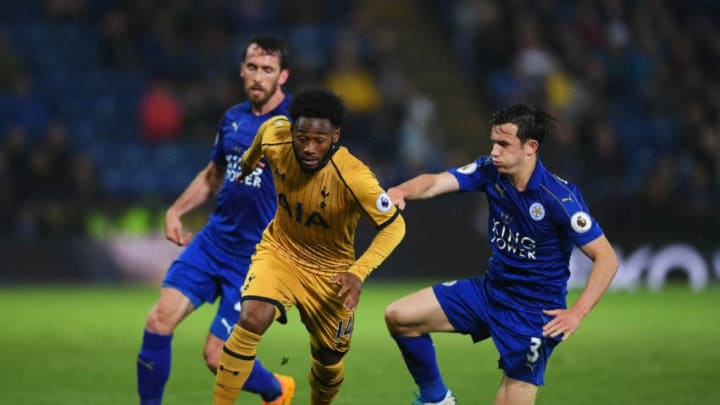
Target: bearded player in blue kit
<point>216,261</point>
<point>535,219</point>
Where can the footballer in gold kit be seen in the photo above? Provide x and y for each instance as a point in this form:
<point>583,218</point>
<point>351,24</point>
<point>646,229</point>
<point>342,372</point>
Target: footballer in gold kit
<point>306,257</point>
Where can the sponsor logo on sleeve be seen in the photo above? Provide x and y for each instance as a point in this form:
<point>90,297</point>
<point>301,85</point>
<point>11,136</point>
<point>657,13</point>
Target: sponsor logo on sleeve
<point>468,168</point>
<point>383,203</point>
<point>580,222</point>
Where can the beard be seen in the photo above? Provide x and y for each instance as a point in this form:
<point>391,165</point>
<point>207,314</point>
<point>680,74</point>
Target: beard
<point>259,96</point>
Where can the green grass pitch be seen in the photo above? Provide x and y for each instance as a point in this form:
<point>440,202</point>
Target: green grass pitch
<point>77,345</point>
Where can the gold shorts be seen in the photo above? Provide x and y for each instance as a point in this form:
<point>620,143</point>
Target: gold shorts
<point>277,280</point>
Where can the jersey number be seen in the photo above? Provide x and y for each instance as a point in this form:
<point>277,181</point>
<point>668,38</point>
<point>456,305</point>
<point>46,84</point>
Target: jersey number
<point>344,329</point>
<point>534,354</point>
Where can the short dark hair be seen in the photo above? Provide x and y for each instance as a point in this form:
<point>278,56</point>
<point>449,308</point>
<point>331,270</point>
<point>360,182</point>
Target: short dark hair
<point>532,123</point>
<point>270,44</point>
<point>318,103</point>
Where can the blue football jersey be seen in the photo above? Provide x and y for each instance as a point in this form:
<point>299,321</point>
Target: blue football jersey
<point>243,208</point>
<point>531,233</point>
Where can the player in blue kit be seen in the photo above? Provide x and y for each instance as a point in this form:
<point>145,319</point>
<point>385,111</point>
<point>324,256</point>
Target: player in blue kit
<point>215,262</point>
<point>535,219</point>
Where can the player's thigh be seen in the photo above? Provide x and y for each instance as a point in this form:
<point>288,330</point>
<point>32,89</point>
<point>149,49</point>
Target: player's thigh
<point>171,307</point>
<point>466,306</point>
<point>515,392</point>
<point>196,274</point>
<point>270,280</point>
<point>524,356</point>
<point>329,323</point>
<point>418,313</point>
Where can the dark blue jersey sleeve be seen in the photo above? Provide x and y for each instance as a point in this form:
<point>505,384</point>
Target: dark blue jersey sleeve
<point>218,152</point>
<point>474,176</point>
<point>571,212</point>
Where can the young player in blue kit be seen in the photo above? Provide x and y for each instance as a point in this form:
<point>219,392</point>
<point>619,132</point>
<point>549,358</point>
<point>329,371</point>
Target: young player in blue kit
<point>216,261</point>
<point>535,219</point>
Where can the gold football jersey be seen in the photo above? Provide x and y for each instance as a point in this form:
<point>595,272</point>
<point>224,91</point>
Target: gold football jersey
<point>318,212</point>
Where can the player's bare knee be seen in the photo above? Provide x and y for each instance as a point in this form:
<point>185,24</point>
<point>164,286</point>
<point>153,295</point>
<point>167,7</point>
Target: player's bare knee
<point>158,323</point>
<point>257,316</point>
<point>393,318</point>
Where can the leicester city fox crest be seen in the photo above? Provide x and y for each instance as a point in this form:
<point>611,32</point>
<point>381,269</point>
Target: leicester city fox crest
<point>537,211</point>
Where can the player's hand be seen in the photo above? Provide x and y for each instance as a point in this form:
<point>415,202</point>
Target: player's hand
<point>350,288</point>
<point>397,197</point>
<point>174,230</point>
<point>245,171</point>
<point>565,322</point>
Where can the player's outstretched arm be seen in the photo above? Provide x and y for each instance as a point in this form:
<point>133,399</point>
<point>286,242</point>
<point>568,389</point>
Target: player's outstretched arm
<point>423,187</point>
<point>272,128</point>
<point>605,265</point>
<point>205,185</point>
<point>382,245</point>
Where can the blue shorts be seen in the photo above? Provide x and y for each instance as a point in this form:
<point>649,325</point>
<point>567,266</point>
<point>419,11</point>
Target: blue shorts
<point>524,352</point>
<point>203,275</point>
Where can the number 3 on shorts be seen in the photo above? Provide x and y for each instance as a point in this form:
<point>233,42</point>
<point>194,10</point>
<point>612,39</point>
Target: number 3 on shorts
<point>534,354</point>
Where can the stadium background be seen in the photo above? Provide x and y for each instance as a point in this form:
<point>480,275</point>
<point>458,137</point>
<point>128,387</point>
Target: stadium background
<point>109,108</point>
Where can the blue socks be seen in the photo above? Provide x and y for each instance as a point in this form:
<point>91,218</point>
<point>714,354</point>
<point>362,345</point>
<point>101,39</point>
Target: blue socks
<point>261,381</point>
<point>153,367</point>
<point>153,372</point>
<point>419,355</point>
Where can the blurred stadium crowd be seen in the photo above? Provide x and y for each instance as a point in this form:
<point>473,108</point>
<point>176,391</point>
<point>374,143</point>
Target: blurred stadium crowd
<point>636,87</point>
<point>108,108</point>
